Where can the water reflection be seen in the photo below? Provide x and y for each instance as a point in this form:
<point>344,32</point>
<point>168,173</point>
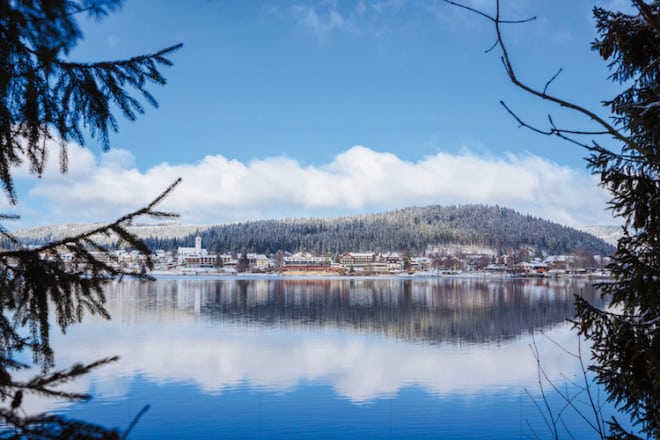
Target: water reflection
<point>434,310</point>
<point>366,339</point>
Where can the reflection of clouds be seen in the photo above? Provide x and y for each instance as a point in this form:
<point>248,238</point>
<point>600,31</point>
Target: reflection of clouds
<point>269,335</point>
<point>359,368</point>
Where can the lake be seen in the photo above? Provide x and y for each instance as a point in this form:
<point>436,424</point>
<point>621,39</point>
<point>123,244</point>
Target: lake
<point>326,358</point>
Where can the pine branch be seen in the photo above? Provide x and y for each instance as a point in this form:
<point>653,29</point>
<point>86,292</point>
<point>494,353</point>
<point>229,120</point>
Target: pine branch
<point>116,225</point>
<point>44,384</point>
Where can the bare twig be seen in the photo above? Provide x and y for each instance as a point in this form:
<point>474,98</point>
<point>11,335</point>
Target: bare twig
<point>511,72</point>
<point>550,420</point>
<point>483,14</point>
<point>545,89</point>
<point>597,424</point>
<point>551,132</point>
<point>596,408</point>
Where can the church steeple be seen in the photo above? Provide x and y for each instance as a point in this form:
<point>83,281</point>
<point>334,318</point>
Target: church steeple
<point>198,243</point>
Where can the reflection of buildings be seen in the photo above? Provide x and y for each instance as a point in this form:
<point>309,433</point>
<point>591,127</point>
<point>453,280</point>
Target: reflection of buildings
<point>430,310</point>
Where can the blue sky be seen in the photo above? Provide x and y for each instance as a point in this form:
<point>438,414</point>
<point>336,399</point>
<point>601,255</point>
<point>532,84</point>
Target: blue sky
<point>305,108</point>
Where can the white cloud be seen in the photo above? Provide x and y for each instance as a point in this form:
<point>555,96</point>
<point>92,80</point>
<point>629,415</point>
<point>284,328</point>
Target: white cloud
<point>117,159</point>
<point>218,189</point>
<point>362,17</point>
<point>80,161</point>
<point>320,23</point>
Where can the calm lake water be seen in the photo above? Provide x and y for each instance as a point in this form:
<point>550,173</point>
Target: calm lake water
<point>280,358</point>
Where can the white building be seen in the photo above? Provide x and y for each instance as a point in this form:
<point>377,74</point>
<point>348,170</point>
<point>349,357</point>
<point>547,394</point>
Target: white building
<point>196,256</point>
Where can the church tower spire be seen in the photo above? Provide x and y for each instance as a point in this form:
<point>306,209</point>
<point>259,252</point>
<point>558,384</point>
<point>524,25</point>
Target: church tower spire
<point>198,243</point>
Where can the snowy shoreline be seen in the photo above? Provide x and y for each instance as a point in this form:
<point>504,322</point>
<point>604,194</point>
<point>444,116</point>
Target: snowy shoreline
<point>419,274</point>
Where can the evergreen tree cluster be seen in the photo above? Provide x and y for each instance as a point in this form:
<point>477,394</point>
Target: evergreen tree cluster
<point>414,229</point>
<point>47,99</point>
<point>626,343</point>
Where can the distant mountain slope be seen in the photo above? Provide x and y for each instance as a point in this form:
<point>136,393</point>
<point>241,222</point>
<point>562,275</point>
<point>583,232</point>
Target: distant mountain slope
<point>609,234</point>
<point>416,229</point>
<point>42,234</point>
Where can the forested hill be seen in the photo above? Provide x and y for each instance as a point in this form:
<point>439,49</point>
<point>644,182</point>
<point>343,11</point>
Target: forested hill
<point>416,229</point>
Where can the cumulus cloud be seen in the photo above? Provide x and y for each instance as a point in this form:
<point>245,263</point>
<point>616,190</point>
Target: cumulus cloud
<point>80,161</point>
<point>218,189</point>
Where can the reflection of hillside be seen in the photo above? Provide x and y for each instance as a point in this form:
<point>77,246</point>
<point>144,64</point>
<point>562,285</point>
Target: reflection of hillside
<point>434,310</point>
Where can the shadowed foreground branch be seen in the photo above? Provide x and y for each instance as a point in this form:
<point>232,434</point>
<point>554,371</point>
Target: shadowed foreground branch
<point>32,283</point>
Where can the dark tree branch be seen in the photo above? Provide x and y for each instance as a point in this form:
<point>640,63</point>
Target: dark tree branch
<point>553,131</point>
<point>508,66</point>
<point>561,102</point>
<point>126,62</point>
<point>491,48</point>
<point>114,226</point>
<point>487,16</point>
<point>43,97</point>
<point>545,89</point>
<point>645,10</point>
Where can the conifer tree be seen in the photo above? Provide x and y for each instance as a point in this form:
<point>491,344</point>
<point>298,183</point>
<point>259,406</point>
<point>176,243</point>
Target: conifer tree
<point>625,153</point>
<point>46,97</point>
<point>626,342</point>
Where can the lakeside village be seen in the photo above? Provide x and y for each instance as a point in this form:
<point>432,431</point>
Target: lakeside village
<point>449,262</point>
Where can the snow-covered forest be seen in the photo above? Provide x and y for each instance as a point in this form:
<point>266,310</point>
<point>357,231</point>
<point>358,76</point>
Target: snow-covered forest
<point>416,229</point>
